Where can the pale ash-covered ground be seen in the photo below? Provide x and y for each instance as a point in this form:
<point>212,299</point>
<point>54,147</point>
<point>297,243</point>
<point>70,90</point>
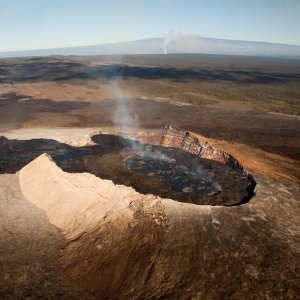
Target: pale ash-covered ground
<point>64,231</point>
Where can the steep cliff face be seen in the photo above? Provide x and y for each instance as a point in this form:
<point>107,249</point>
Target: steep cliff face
<point>169,136</point>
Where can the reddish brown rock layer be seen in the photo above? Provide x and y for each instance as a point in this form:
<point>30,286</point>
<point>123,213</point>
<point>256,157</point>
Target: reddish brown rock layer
<point>169,136</point>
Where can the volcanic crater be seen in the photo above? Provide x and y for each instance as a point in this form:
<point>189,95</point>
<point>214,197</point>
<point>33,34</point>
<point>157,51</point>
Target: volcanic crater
<point>169,163</point>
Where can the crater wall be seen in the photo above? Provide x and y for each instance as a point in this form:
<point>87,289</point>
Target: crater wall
<point>169,136</point>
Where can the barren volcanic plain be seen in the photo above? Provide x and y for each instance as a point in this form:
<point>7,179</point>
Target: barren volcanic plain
<point>99,201</point>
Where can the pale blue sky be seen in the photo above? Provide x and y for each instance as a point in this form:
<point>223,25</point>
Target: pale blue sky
<point>36,24</point>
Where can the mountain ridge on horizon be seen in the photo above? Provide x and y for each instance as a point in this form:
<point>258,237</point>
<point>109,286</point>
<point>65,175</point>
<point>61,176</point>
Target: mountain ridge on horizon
<point>174,42</point>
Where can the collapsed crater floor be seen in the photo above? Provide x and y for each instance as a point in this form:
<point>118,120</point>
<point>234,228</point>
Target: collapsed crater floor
<point>163,171</point>
<point>168,172</point>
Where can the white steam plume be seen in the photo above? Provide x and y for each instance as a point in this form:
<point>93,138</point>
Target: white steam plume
<point>169,37</point>
<point>123,116</point>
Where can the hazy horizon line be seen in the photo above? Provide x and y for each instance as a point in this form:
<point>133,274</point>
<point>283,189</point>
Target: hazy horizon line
<point>134,40</point>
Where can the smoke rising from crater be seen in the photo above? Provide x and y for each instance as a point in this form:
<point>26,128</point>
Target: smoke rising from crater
<point>126,120</point>
<point>123,116</point>
<point>169,37</point>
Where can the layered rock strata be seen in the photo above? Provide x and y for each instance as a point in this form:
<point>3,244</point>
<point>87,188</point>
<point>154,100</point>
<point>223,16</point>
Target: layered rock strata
<point>170,136</point>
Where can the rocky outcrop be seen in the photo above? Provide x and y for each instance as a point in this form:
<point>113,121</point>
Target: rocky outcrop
<point>62,194</point>
<point>174,137</point>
